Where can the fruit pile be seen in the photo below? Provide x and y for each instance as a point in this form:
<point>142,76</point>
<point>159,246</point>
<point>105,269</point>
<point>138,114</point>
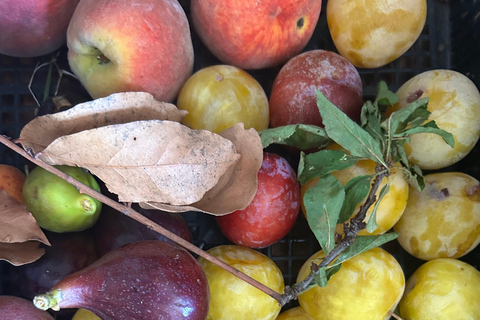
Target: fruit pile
<point>235,113</point>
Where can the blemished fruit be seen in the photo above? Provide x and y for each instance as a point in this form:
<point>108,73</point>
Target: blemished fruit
<point>296,313</point>
<point>56,204</point>
<point>84,314</point>
<point>113,229</point>
<point>366,287</point>
<point>217,97</point>
<point>294,100</point>
<point>235,299</point>
<point>32,28</point>
<point>15,308</point>
<point>12,180</point>
<point>145,280</point>
<point>130,45</point>
<point>442,289</point>
<point>454,103</point>
<point>393,204</point>
<point>443,220</point>
<point>373,33</point>
<point>254,34</point>
<point>272,212</point>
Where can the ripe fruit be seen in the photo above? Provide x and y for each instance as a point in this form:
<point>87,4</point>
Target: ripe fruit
<point>442,289</point>
<point>57,205</point>
<point>113,229</point>
<point>233,298</point>
<point>296,313</point>
<point>366,287</point>
<point>272,212</point>
<point>294,100</point>
<point>84,314</point>
<point>145,280</point>
<point>15,308</point>
<point>126,45</point>
<point>254,34</point>
<point>12,180</point>
<point>217,97</point>
<point>444,219</point>
<point>34,28</point>
<point>373,33</point>
<point>454,105</point>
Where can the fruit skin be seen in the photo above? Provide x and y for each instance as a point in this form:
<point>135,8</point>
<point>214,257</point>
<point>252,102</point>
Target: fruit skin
<point>272,212</point>
<point>366,287</point>
<point>442,221</point>
<point>254,35</point>
<point>373,33</point>
<point>84,314</point>
<point>153,52</point>
<point>293,99</point>
<point>142,280</point>
<point>15,308</point>
<point>217,97</point>
<point>442,289</point>
<point>113,229</point>
<point>12,180</point>
<point>34,28</point>
<point>57,205</point>
<point>233,298</point>
<point>296,313</point>
<point>68,253</point>
<point>454,103</point>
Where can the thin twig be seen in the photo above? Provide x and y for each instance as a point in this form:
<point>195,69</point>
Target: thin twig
<point>397,317</point>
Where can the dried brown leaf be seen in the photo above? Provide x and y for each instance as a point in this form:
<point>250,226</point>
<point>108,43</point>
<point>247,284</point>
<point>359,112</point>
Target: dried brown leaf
<point>235,191</point>
<point>16,223</point>
<point>115,109</point>
<point>148,161</point>
<point>21,253</point>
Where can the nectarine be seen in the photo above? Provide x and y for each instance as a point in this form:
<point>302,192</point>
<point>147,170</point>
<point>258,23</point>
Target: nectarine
<point>12,180</point>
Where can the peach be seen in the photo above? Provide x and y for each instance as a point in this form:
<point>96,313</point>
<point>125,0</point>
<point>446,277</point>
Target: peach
<point>366,287</point>
<point>373,33</point>
<point>454,103</point>
<point>217,97</point>
<point>234,299</point>
<point>293,98</point>
<point>32,28</point>
<point>12,180</point>
<point>125,45</point>
<point>253,34</point>
<point>443,220</point>
<point>442,289</point>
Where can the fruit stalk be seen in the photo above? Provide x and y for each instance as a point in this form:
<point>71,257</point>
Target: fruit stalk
<point>49,300</point>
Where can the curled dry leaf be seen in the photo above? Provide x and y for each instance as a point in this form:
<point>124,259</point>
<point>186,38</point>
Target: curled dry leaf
<point>235,191</point>
<point>21,253</point>
<point>115,109</point>
<point>148,161</point>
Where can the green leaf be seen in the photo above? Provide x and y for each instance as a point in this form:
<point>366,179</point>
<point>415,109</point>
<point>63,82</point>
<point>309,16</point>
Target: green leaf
<point>356,190</point>
<point>325,273</point>
<point>410,116</point>
<point>362,244</point>
<point>347,133</point>
<point>302,136</point>
<point>398,152</point>
<point>323,204</point>
<point>372,221</point>
<point>429,127</point>
<point>414,177</point>
<point>385,97</point>
<point>371,121</point>
<point>323,162</point>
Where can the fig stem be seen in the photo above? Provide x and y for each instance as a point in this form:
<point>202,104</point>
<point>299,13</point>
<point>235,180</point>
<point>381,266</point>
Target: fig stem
<point>82,188</point>
<point>49,300</point>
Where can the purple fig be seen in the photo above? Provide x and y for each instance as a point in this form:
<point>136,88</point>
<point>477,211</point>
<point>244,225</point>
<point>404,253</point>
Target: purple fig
<point>16,308</point>
<point>145,280</point>
<point>114,229</point>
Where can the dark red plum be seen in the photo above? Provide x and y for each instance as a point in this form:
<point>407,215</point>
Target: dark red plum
<point>16,308</point>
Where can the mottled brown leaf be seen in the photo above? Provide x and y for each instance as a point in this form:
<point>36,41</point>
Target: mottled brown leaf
<point>21,253</point>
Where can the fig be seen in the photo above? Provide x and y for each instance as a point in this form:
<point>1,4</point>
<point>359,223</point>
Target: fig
<point>113,229</point>
<point>16,308</point>
<point>145,280</point>
<point>56,204</point>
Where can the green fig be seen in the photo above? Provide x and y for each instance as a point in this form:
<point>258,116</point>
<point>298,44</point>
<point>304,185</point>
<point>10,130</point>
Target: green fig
<point>56,204</point>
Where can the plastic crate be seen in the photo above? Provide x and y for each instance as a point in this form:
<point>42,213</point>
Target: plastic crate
<point>450,40</point>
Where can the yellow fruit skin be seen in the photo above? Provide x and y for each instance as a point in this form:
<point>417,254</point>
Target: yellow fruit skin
<point>84,314</point>
<point>234,299</point>
<point>454,103</point>
<point>218,97</point>
<point>442,221</point>
<point>372,33</point>
<point>442,289</point>
<point>366,287</point>
<point>296,313</point>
